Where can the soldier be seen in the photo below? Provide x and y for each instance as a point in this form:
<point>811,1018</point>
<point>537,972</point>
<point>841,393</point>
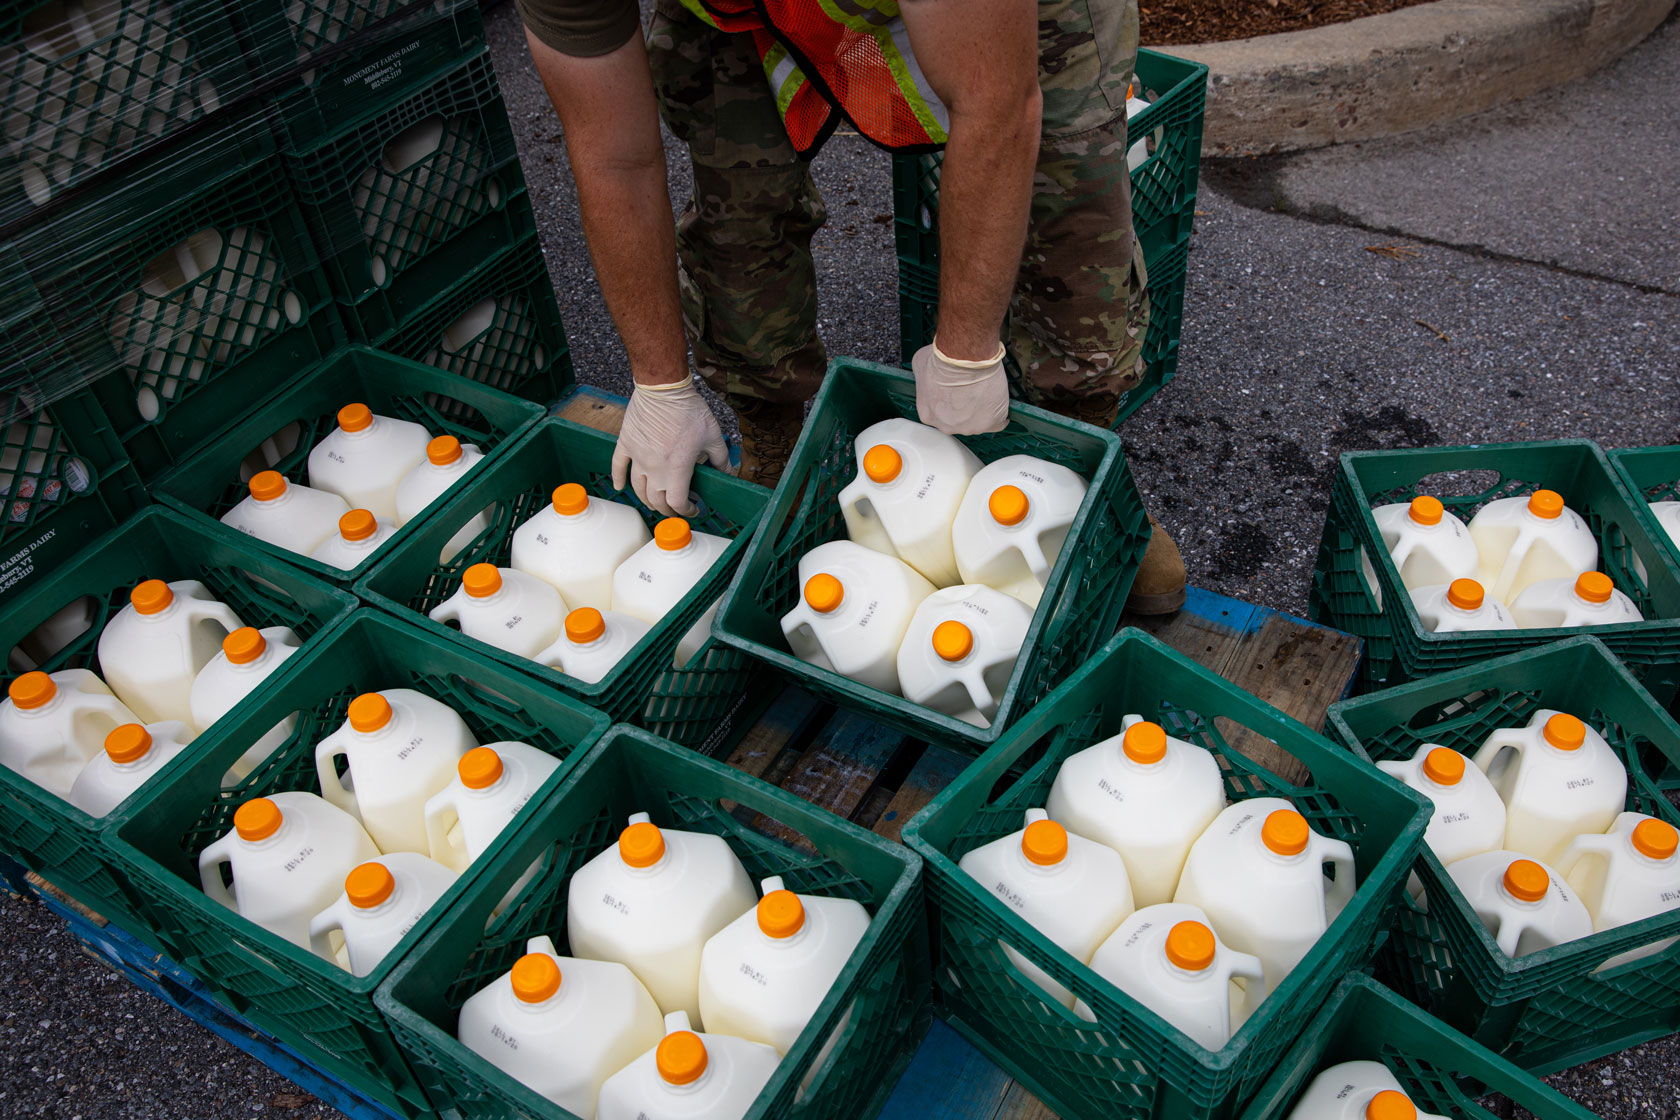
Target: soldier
<point>1028,102</point>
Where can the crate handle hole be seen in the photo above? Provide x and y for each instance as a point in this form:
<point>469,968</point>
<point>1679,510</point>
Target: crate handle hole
<point>412,145</point>
<point>148,404</point>
<point>293,307</point>
<point>470,327</point>
<point>378,270</point>
<point>493,192</point>
<point>64,626</point>
<point>1458,484</point>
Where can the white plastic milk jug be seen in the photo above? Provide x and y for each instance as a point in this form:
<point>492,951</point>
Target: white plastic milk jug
<point>1589,599</point>
<point>445,463</point>
<point>1357,1091</point>
<point>402,747</point>
<point>153,649</point>
<point>246,659</point>
<point>1144,794</point>
<point>1626,874</point>
<point>1668,516</point>
<point>911,479</point>
<point>288,854</point>
<point>1073,890</point>
<point>492,783</point>
<point>1013,522</point>
<point>365,457</point>
<point>561,1025</point>
<point>381,902</point>
<point>658,575</point>
<point>576,542</point>
<point>765,974</point>
<point>51,727</point>
<point>504,608</point>
<point>132,754</point>
<point>854,607</point>
<point>689,1076</point>
<point>359,535</point>
<point>1168,958</point>
<point>959,651</point>
<point>286,514</point>
<point>1525,540</point>
<point>1557,777</point>
<point>652,901</point>
<point>1258,873</point>
<point>1460,605</point>
<point>1469,815</point>
<point>592,643</point>
<point>1525,904</point>
<point>1427,544</point>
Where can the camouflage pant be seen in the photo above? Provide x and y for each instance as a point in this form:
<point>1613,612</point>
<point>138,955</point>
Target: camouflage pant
<point>1079,310</point>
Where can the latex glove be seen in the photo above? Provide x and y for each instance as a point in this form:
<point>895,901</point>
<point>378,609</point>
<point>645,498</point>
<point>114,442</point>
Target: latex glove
<point>960,398</point>
<point>667,430</point>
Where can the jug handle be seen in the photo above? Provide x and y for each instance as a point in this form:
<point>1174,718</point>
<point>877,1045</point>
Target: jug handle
<point>1510,737</point>
<point>320,926</point>
<point>1247,967</point>
<point>1033,553</point>
<point>446,611</point>
<point>210,862</point>
<point>437,827</point>
<point>1510,933</point>
<point>215,612</point>
<point>1340,856</point>
<point>326,772</point>
<point>1403,554</point>
<point>1585,844</point>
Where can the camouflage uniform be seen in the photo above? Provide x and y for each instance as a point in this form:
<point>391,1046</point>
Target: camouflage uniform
<point>1079,310</point>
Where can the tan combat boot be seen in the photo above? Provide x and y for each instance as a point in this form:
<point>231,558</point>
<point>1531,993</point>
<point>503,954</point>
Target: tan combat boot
<point>1159,586</point>
<point>768,433</point>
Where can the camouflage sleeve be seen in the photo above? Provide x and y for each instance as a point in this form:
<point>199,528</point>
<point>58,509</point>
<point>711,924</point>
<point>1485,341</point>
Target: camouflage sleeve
<point>581,28</point>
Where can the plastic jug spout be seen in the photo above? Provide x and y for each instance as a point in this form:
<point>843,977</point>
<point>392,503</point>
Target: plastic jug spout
<point>770,885</point>
<point>677,1021</point>
<point>641,818</point>
<point>541,944</point>
<point>1033,816</point>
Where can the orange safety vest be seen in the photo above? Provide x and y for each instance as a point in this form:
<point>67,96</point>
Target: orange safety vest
<point>833,59</point>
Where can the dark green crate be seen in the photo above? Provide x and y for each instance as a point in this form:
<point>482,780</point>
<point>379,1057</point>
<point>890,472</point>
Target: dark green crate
<point>683,704</point>
<point>1081,604</point>
<point>1465,479</point>
<point>156,836</point>
<point>1650,474</point>
<point>1131,1065</point>
<point>1544,1010</point>
<point>50,836</point>
<point>278,433</point>
<point>1437,1066</point>
<point>877,1008</point>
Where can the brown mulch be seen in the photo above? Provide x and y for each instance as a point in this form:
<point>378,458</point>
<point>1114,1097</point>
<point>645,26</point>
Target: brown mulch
<point>1209,21</point>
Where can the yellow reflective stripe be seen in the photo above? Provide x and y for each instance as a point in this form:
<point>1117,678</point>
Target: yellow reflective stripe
<point>912,83</point>
<point>785,76</point>
<point>696,8</point>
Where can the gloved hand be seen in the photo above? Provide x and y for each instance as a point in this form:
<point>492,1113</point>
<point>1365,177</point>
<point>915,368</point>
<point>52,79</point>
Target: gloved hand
<point>667,430</point>
<point>960,398</point>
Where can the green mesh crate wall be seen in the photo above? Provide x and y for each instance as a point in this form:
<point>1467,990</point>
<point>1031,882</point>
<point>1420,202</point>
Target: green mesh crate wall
<point>279,432</point>
<point>405,200</point>
<point>1465,479</point>
<point>1131,1065</point>
<point>876,1009</point>
<point>1082,601</point>
<point>1548,1009</point>
<point>304,1001</point>
<point>1652,474</point>
<point>411,581</point>
<point>47,834</point>
<point>1435,1065</point>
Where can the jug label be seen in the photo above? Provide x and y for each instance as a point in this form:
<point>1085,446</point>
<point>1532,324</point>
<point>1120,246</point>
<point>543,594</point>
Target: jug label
<point>1038,478</point>
<point>1242,822</point>
<point>335,456</point>
<point>504,1038</point>
<point>1139,932</point>
<point>514,621</point>
<point>297,861</point>
<point>1669,896</point>
<point>413,745</point>
<point>970,604</point>
<point>868,613</point>
<point>1345,1090</point>
<point>1013,898</point>
<point>1114,792</point>
<point>616,904</point>
<point>1454,818</point>
<point>1578,783</point>
<point>541,539</point>
<point>927,485</point>
<point>754,975</point>
<point>645,576</point>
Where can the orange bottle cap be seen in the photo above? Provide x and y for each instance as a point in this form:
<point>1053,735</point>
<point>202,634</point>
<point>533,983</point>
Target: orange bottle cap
<point>267,485</point>
<point>585,625</point>
<point>641,844</point>
<point>480,768</point>
<point>672,534</point>
<point>1526,880</point>
<point>536,977</point>
<point>128,743</point>
<point>1443,766</point>
<point>882,463</point>
<point>680,1057</point>
<point>1145,742</point>
<point>368,885</point>
<point>1546,503</point>
<point>824,593</point>
<point>1190,945</point>
<point>481,580</point>
<point>1594,587</point>
<point>1425,510</point>
<point>952,641</point>
<point>150,596</point>
<point>1285,832</point>
<point>1655,839</point>
<point>443,451</point>
<point>570,499</point>
<point>244,645</point>
<point>781,914</point>
<point>1391,1105</point>
<point>1565,732</point>
<point>1044,843</point>
<point>358,525</point>
<point>369,712</point>
<point>1008,505</point>
<point>1465,594</point>
<point>32,690</point>
<point>355,417</point>
<point>257,819</point>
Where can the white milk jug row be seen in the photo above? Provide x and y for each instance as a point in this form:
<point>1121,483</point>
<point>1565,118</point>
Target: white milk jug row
<point>1138,868</point>
<point>587,583</point>
<point>1357,1091</point>
<point>370,476</point>
<point>684,988</point>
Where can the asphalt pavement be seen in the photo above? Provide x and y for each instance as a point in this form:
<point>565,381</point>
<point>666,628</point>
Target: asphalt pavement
<point>1511,276</point>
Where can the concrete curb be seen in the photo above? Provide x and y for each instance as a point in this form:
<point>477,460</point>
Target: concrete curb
<point>1403,70</point>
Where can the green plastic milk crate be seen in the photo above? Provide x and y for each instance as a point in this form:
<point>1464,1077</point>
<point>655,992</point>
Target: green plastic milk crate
<point>1436,1066</point>
<point>56,625</point>
<point>1082,601</point>
<point>1129,1064</point>
<point>856,1043</point>
<point>278,433</point>
<point>1548,1009</point>
<point>306,1002</point>
<point>1464,479</point>
<point>683,704</point>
